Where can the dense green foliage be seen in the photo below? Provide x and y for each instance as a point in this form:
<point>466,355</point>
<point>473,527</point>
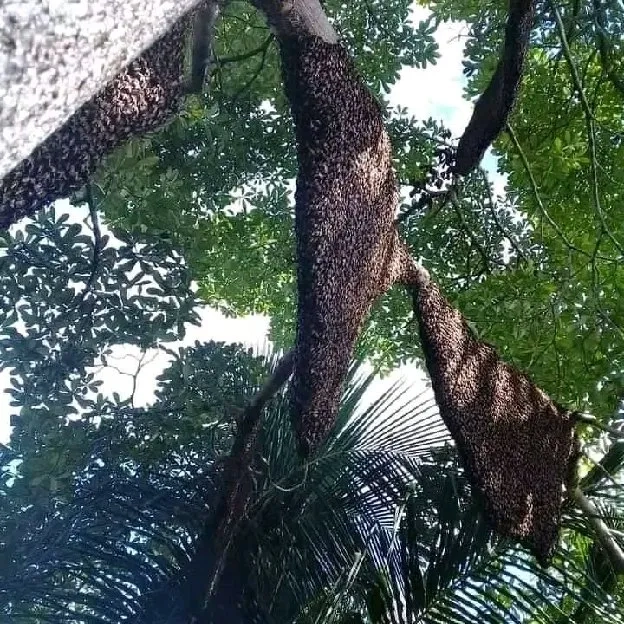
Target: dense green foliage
<point>544,261</point>
<point>103,503</point>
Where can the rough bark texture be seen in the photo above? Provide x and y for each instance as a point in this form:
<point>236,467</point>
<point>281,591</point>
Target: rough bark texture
<point>495,104</point>
<point>55,56</point>
<point>519,448</point>
<point>298,18</point>
<point>238,481</point>
<point>140,99</point>
<point>348,251</point>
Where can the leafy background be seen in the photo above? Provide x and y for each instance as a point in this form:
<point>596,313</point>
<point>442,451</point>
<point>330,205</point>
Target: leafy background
<point>105,489</point>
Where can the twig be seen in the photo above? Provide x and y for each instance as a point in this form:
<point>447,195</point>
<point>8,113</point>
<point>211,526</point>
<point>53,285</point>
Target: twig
<point>247,55</point>
<point>95,262</point>
<point>589,121</point>
<point>499,225</point>
<point>422,201</point>
<point>247,85</point>
<point>136,374</point>
<point>538,199</point>
<point>484,256</point>
<point>97,241</point>
<point>603,534</point>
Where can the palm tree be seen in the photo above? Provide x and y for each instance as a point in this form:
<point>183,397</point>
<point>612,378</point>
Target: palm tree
<point>380,527</point>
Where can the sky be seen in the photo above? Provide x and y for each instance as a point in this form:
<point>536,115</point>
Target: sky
<point>437,92</point>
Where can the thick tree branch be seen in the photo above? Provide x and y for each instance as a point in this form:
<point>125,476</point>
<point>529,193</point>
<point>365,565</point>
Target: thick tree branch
<point>140,99</point>
<point>238,490</point>
<point>297,18</point>
<point>54,60</point>
<point>494,106</point>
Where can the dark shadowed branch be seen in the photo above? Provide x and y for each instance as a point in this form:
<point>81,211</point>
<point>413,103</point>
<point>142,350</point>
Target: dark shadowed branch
<point>495,104</point>
<point>204,24</point>
<point>237,494</point>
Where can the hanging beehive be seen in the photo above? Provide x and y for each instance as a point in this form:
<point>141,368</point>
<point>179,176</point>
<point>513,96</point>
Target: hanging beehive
<point>138,100</point>
<point>518,447</point>
<point>346,199</point>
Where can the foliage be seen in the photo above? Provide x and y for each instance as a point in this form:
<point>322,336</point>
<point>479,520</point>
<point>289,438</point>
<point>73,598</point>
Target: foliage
<point>68,298</point>
<point>545,260</point>
<point>379,527</point>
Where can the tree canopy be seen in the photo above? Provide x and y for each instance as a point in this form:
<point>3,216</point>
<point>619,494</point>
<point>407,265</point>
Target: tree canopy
<point>107,508</point>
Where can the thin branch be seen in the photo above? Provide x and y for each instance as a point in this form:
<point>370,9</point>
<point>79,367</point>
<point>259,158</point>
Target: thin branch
<point>247,85</point>
<point>136,374</point>
<point>589,120</point>
<point>603,534</point>
<point>527,167</point>
<point>462,219</point>
<point>425,198</point>
<point>247,55</point>
<point>605,48</point>
<point>97,242</point>
<point>98,245</point>
<point>499,225</point>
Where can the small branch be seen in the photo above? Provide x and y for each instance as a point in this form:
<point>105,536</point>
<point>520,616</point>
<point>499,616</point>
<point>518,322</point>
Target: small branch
<point>589,120</point>
<point>603,534</point>
<point>136,374</point>
<point>527,167</point>
<point>247,85</point>
<point>247,55</point>
<point>98,245</point>
<point>499,225</point>
<point>426,197</point>
<point>594,422</point>
<point>605,48</point>
<point>97,241</point>
<point>471,235</point>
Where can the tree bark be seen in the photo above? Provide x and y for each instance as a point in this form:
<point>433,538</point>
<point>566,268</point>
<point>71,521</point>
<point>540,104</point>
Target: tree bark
<point>495,104</point>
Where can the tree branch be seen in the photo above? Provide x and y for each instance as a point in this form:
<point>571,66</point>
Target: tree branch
<point>594,422</point>
<point>591,130</point>
<point>533,182</point>
<point>237,494</point>
<point>603,534</point>
<point>605,48</point>
<point>247,55</point>
<point>297,18</point>
<point>203,36</point>
<point>495,104</point>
